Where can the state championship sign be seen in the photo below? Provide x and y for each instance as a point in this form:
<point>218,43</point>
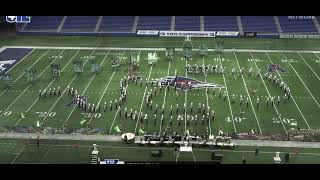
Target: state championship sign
<point>187,33</point>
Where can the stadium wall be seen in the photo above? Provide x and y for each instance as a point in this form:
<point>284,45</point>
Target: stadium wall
<point>121,34</point>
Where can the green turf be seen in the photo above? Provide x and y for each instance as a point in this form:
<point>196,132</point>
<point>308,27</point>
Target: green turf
<point>304,109</point>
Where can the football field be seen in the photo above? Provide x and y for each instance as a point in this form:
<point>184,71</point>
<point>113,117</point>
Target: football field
<point>301,71</point>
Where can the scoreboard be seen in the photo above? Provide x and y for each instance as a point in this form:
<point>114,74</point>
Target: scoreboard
<point>111,161</point>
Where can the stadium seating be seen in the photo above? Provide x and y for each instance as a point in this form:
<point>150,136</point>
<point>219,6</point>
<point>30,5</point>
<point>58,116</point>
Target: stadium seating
<point>220,23</point>
<point>187,23</point>
<point>124,24</point>
<point>117,23</point>
<point>80,23</point>
<point>289,25</point>
<point>154,23</point>
<point>44,23</point>
<point>262,24</point>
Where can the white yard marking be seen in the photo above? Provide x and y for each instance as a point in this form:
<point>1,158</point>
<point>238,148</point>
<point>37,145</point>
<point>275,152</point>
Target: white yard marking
<point>28,86</point>
<point>275,107</point>
<point>185,101</point>
<point>302,81</point>
<point>115,116</point>
<point>86,86</point>
<point>292,96</point>
<point>144,94</point>
<point>48,85</point>
<point>245,85</point>
<point>104,92</point>
<point>225,84</point>
<point>18,154</point>
<point>23,72</point>
<point>309,66</point>
<point>165,95</point>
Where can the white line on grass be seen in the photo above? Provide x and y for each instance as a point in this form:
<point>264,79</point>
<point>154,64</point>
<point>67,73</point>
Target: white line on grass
<point>224,79</point>
<point>18,154</point>
<point>48,86</point>
<point>104,92</point>
<point>292,96</point>
<point>144,94</point>
<point>301,80</point>
<point>86,87</point>
<point>74,77</point>
<point>185,101</point>
<point>164,98</point>
<point>27,87</point>
<point>194,158</point>
<point>309,66</point>
<point>23,72</point>
<point>275,107</point>
<point>115,116</point>
<point>205,80</point>
<point>245,85</point>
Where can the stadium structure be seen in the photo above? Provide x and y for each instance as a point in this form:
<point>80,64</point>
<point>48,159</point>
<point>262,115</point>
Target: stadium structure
<point>170,89</point>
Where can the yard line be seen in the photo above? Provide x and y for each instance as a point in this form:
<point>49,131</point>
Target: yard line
<point>115,116</point>
<point>292,96</point>
<point>104,92</point>
<point>74,77</point>
<point>275,107</point>
<point>23,72</point>
<point>28,87</point>
<point>105,89</point>
<point>185,101</point>
<point>86,87</point>
<point>194,158</point>
<point>144,94</point>
<point>205,80</point>
<point>18,154</point>
<point>245,85</point>
<point>302,81</point>
<point>224,79</point>
<point>309,66</point>
<point>48,86</point>
<point>164,98</point>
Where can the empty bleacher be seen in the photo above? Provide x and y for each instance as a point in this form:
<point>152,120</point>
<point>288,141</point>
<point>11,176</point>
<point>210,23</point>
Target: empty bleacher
<point>220,23</point>
<point>124,24</point>
<point>154,23</point>
<point>297,25</point>
<point>44,23</point>
<point>187,23</point>
<point>260,24</point>
<point>80,23</point>
<point>116,23</point>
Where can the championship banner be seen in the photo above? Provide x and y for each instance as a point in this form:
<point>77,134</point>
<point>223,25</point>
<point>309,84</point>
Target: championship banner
<point>147,32</point>
<point>227,33</point>
<point>187,33</point>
